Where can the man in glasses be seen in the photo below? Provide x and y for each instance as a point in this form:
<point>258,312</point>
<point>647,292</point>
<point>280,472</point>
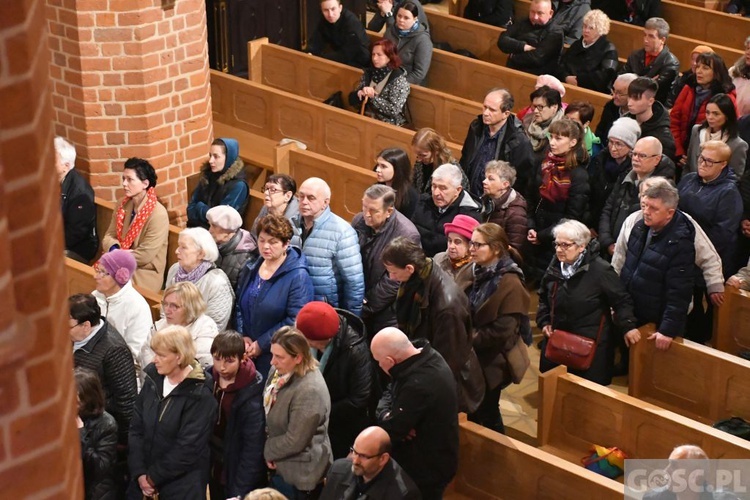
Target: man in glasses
<point>650,114</point>
<point>617,107</point>
<point>369,472</point>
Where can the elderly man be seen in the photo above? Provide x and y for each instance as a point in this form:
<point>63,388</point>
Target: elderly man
<point>654,60</point>
<point>236,245</point>
<point>497,134</point>
<point>340,36</point>
<point>617,107</point>
<point>77,204</point>
<point>650,114</point>
<point>378,224</point>
<point>659,264</point>
<point>533,44</point>
<point>418,410</point>
<point>369,472</point>
<point>447,200</point>
<point>330,246</point>
<point>647,161</point>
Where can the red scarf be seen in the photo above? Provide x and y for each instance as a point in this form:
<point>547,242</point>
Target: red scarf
<point>138,222</point>
<point>555,179</point>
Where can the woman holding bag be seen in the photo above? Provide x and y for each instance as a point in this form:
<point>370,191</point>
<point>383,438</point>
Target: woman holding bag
<point>499,310</point>
<point>576,295</point>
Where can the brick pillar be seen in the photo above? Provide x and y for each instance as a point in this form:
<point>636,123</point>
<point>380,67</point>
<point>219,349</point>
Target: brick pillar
<point>39,451</point>
<point>131,78</point>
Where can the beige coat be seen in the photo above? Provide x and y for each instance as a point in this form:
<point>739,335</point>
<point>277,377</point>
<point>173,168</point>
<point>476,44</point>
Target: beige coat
<point>149,248</point>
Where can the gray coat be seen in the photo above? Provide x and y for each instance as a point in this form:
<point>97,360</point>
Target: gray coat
<point>297,428</point>
<point>736,161</point>
<point>415,50</point>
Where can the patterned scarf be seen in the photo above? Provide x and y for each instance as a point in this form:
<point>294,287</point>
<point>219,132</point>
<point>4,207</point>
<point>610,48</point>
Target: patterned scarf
<point>555,179</point>
<point>138,222</point>
<point>537,132</point>
<point>487,279</point>
<point>377,74</point>
<point>195,274</point>
<point>272,389</point>
<point>409,300</point>
<point>458,264</point>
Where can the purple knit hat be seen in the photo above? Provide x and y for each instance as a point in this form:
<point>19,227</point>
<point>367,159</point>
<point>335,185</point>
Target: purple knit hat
<point>120,264</point>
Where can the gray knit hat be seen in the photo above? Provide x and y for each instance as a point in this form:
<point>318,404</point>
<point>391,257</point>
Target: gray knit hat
<point>627,130</point>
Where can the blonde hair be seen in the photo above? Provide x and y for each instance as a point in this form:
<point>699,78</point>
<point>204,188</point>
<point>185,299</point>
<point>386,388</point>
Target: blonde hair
<point>177,340</point>
<point>597,20</point>
<point>295,344</point>
<point>192,300</point>
<point>265,494</point>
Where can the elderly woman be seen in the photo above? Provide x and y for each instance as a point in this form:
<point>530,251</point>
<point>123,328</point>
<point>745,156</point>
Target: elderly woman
<point>121,305</point>
<point>720,125</point>
<point>279,199</point>
<point>740,74</point>
<point>297,407</point>
<point>171,426</point>
<point>547,108</point>
<point>430,151</point>
<point>577,294</point>
<point>412,41</point>
<point>710,78</point>
<point>236,245</point>
<point>196,256</point>
<point>542,80</point>
<point>591,61</point>
<point>183,305</point>
<point>502,204</point>
<point>271,291</point>
<point>456,260</point>
<point>393,169</point>
<point>383,86</point>
<point>499,313</point>
<point>222,182</point>
<point>140,224</point>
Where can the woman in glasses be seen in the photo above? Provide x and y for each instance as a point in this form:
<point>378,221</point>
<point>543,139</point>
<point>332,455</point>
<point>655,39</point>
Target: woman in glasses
<point>278,199</point>
<point>577,294</point>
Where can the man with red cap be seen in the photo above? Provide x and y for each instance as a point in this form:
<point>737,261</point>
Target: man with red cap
<point>337,338</point>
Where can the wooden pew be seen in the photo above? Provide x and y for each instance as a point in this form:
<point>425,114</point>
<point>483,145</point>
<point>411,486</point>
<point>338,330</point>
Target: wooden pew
<point>492,466</point>
<point>478,38</point>
<point>276,114</point>
<point>80,278</point>
<point>317,78</point>
<point>575,413</point>
<point>691,379</point>
<point>732,322</point>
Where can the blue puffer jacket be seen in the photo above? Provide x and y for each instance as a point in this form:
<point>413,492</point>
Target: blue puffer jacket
<point>717,207</point>
<point>334,261</point>
<point>660,276</point>
<point>279,300</point>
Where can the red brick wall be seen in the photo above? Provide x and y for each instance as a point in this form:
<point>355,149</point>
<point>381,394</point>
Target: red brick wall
<point>39,451</point>
<point>131,78</point>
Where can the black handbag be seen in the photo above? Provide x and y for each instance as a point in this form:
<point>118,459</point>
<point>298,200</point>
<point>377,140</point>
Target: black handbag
<point>735,426</point>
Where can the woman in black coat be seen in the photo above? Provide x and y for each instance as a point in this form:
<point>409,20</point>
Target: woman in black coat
<point>98,433</point>
<point>591,61</point>
<point>577,294</point>
<point>172,421</point>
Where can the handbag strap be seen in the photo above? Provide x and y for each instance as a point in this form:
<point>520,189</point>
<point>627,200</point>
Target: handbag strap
<point>552,313</point>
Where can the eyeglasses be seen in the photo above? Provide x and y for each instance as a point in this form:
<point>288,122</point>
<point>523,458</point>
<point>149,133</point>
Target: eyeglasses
<point>640,156</point>
<point>99,271</point>
<point>619,94</point>
<point>709,162</point>
<point>539,107</point>
<point>170,305</point>
<point>272,190</point>
<point>77,324</point>
<point>616,144</point>
<point>476,244</point>
<point>355,453</point>
<point>563,245</point>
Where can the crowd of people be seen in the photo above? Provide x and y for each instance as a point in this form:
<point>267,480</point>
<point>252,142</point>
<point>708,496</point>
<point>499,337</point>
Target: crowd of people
<point>329,359</point>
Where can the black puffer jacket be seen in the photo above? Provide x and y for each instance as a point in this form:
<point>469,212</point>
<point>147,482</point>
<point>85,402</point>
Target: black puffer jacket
<point>169,436</point>
<point>664,68</point>
<point>660,275</point>
<point>109,356</point>
<point>99,453</point>
<point>79,215</point>
<point>594,67</point>
<point>348,375</point>
<point>547,39</point>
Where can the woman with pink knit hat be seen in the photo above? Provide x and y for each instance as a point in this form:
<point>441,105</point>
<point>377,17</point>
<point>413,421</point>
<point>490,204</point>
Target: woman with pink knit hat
<point>456,259</point>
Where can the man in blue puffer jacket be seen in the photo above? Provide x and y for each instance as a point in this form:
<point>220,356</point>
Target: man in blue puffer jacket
<point>331,247</point>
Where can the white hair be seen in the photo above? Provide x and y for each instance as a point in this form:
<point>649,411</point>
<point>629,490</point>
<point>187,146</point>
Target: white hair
<point>66,151</point>
<point>203,242</point>
<point>626,78</point>
<point>574,230</point>
<point>448,172</point>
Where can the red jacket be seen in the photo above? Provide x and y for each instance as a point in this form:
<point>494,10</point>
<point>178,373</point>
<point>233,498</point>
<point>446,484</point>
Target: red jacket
<point>679,117</point>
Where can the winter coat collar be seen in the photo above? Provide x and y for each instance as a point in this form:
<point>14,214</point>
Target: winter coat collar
<point>235,170</point>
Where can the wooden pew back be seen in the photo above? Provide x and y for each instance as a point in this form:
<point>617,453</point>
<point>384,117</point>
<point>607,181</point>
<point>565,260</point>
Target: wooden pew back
<point>732,322</point>
<point>576,413</point>
<point>484,454</point>
<point>478,38</point>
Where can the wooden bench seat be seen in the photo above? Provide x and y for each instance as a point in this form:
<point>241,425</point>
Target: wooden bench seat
<point>696,381</point>
<point>732,322</point>
<point>317,78</point>
<point>575,413</point>
<point>492,466</point>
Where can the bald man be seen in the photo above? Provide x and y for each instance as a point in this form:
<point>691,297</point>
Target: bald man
<point>369,471</point>
<point>331,247</point>
<point>419,409</point>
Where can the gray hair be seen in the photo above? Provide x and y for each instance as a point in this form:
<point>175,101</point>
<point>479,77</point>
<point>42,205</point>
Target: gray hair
<point>660,25</point>
<point>507,98</point>
<point>652,181</point>
<point>381,191</point>
<point>66,151</point>
<point>449,172</point>
<point>667,193</point>
<point>502,169</point>
<point>574,230</point>
<point>626,78</point>
<point>203,242</point>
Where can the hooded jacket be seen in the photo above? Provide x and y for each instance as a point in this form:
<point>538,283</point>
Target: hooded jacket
<point>169,436</point>
<point>415,50</point>
<point>658,126</point>
<point>238,444</point>
<point>569,18</point>
<point>548,40</point>
<point>240,249</point>
<point>664,68</point>
<point>429,221</point>
<point>227,187</point>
